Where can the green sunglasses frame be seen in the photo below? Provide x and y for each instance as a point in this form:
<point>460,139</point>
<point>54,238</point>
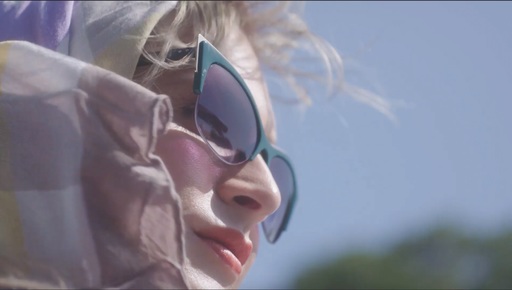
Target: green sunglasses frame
<point>206,55</point>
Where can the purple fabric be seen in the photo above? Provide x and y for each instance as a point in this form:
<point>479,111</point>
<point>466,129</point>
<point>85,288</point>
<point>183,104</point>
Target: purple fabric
<point>84,192</point>
<point>44,23</point>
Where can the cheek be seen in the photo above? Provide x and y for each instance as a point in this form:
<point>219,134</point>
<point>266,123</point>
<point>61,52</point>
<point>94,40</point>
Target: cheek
<point>188,161</point>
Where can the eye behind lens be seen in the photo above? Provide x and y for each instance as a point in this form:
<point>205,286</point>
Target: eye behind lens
<point>225,116</point>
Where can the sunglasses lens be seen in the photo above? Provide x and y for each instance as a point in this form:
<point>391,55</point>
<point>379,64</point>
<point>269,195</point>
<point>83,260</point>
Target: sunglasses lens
<point>225,116</point>
<point>283,175</point>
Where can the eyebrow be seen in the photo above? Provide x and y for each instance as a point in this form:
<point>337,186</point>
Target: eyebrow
<point>174,54</point>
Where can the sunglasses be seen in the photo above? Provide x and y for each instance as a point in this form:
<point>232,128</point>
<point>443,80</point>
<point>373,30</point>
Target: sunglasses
<point>227,119</point>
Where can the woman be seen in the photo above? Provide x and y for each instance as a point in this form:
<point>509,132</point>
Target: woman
<point>138,141</point>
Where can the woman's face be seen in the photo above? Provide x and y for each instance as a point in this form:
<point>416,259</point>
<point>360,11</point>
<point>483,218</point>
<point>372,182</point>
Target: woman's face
<point>222,204</point>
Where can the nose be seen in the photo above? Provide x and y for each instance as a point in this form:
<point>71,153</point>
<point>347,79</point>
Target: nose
<point>250,189</point>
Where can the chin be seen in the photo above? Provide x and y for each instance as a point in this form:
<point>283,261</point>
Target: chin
<point>203,269</point>
<point>197,278</point>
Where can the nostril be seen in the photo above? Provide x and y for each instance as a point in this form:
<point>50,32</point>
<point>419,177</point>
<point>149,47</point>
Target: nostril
<point>247,202</point>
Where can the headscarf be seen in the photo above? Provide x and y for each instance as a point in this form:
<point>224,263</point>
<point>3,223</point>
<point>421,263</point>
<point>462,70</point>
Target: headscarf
<point>77,138</point>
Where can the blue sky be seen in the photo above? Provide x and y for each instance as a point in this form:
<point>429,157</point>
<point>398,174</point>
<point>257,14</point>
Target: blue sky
<point>365,181</point>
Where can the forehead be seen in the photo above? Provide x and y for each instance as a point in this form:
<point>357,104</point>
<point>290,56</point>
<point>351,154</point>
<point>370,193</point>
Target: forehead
<point>240,53</point>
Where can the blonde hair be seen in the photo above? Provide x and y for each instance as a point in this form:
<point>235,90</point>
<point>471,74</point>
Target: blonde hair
<point>280,37</point>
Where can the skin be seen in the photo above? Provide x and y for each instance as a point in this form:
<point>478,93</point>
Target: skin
<point>214,194</point>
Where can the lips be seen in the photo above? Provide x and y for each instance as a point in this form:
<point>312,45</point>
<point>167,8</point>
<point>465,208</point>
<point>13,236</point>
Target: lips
<point>230,245</point>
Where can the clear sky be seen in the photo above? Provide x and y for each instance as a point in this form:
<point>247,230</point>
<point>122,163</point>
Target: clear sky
<point>365,181</point>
